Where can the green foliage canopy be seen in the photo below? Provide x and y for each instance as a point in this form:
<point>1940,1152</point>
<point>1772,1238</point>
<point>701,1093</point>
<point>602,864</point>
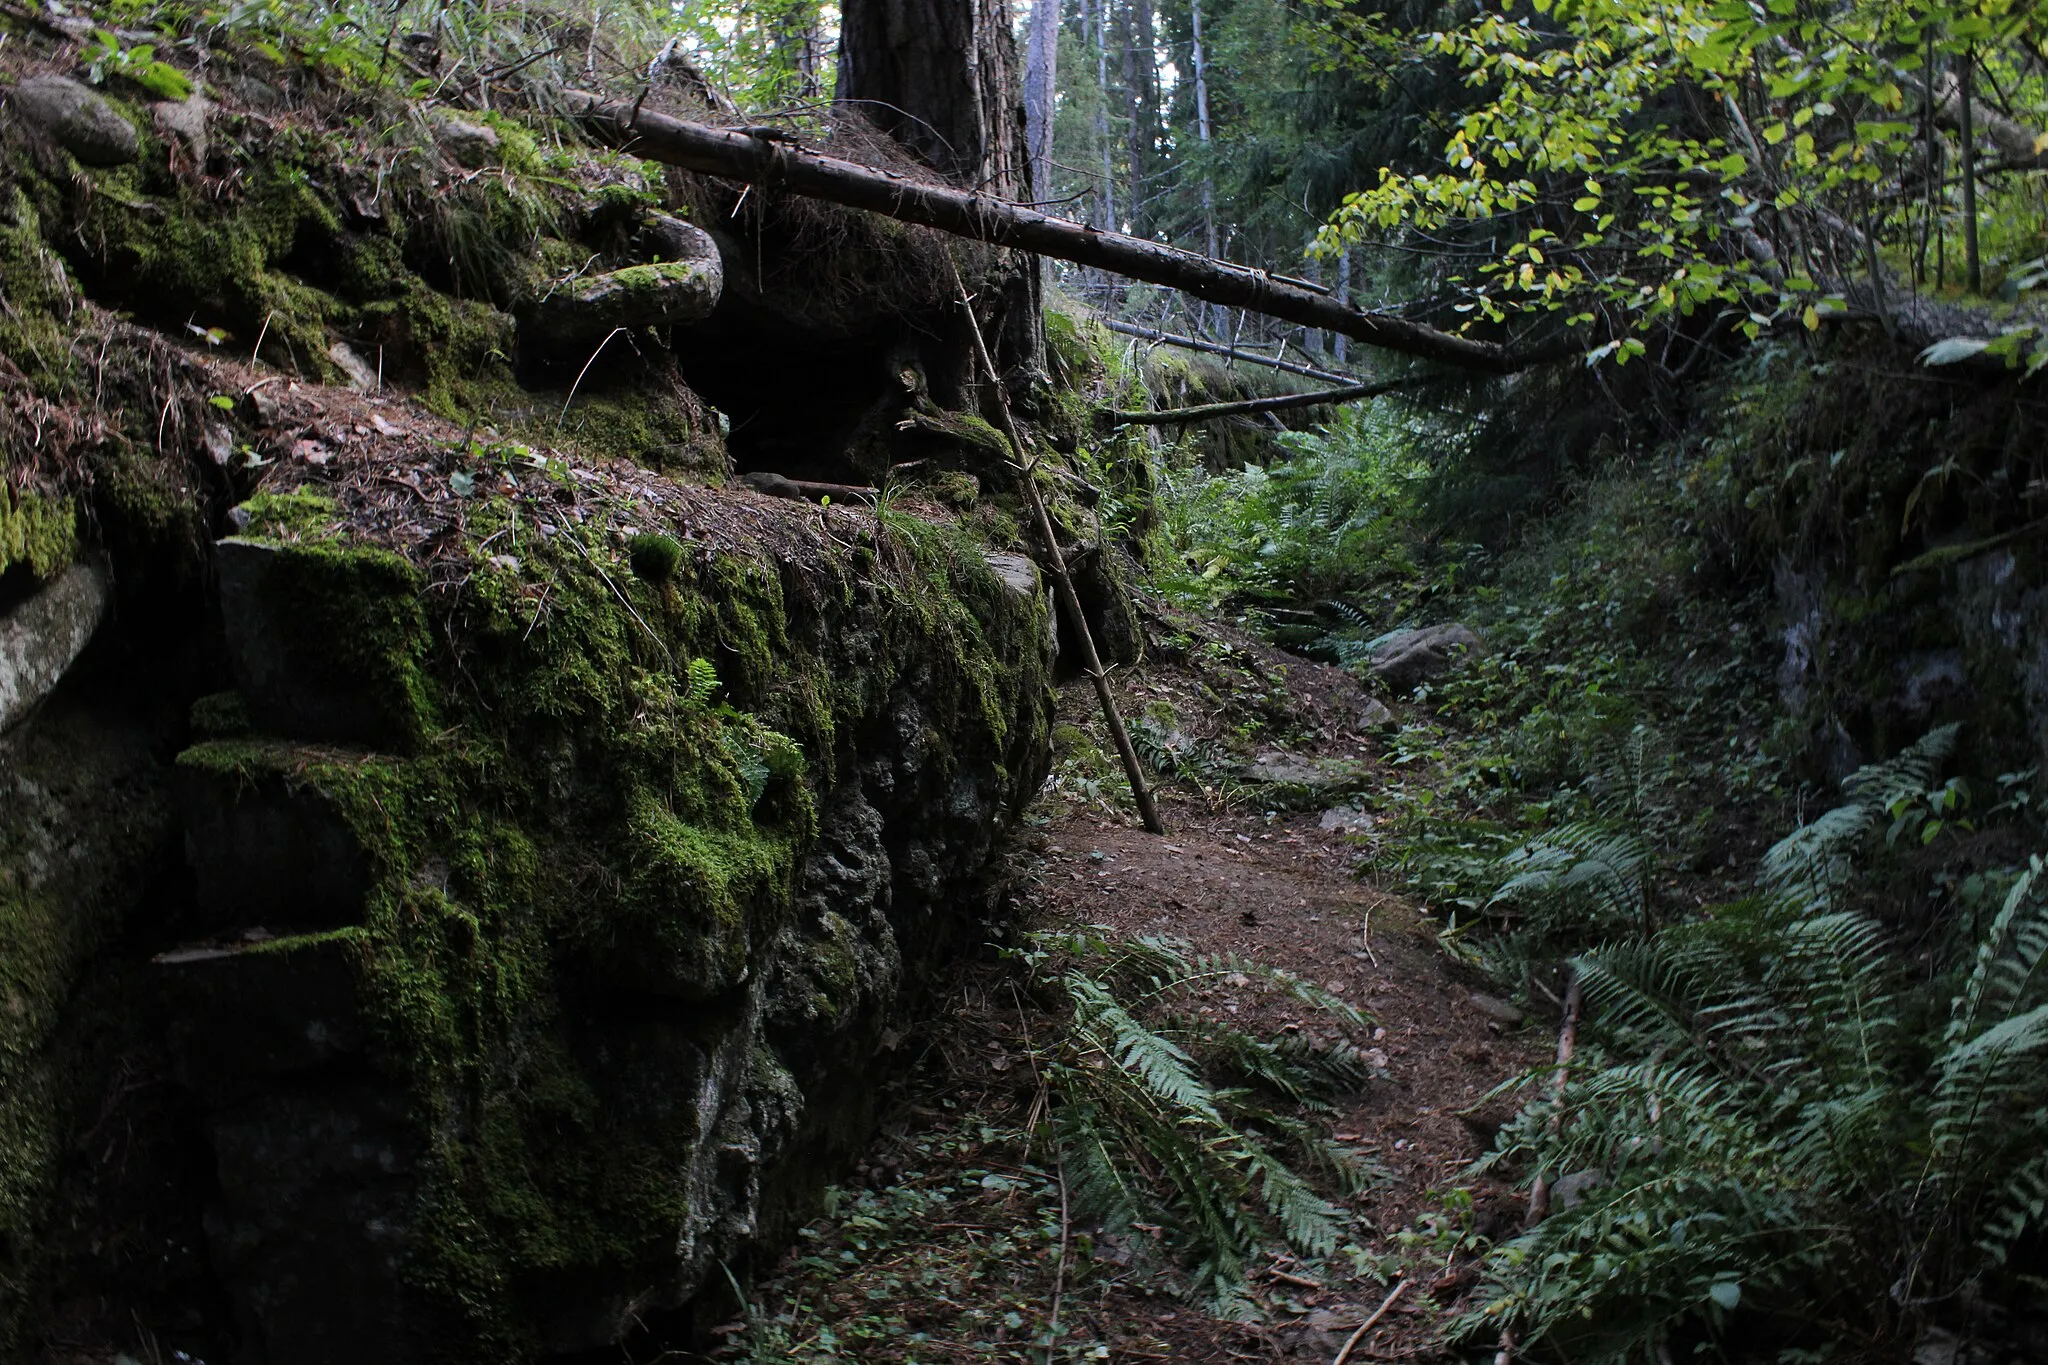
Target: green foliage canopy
<point>1631,162</point>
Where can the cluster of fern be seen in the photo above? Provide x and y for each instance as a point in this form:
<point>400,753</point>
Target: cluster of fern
<point>1164,1118</point>
<point>1779,1130</point>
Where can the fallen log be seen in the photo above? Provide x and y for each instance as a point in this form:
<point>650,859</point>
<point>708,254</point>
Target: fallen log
<point>1206,412</point>
<point>1131,329</point>
<point>781,164</point>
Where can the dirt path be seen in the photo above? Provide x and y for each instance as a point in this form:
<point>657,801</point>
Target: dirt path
<point>1284,889</point>
<point>1229,877</point>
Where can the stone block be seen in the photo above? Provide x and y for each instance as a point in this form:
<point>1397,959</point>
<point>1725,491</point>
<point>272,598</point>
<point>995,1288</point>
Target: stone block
<point>248,1013</point>
<point>325,641</point>
<point>268,848</point>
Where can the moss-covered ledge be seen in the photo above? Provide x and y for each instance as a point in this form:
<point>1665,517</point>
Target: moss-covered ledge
<point>648,860</point>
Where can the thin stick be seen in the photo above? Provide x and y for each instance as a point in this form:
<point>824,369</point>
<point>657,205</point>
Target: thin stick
<point>1059,1276</point>
<point>1063,583</point>
<point>1131,329</point>
<point>659,643</point>
<point>261,333</point>
<point>1388,1302</point>
<point>1567,1042</point>
<point>585,370</point>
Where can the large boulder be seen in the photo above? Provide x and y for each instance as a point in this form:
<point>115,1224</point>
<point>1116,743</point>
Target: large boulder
<point>81,120</point>
<point>1318,778</point>
<point>1407,658</point>
<point>466,143</point>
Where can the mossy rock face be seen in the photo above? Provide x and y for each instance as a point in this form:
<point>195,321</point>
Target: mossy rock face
<point>534,928</point>
<point>1911,589</point>
<point>87,828</point>
<point>600,961</point>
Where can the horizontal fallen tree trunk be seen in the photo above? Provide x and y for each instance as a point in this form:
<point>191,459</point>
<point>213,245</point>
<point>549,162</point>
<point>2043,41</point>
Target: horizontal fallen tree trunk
<point>1351,393</point>
<point>775,162</point>
<point>1130,329</point>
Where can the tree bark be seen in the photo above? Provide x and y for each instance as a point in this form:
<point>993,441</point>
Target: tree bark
<point>1106,196</point>
<point>1344,296</point>
<point>1202,132</point>
<point>743,156</point>
<point>938,76</point>
<point>1966,112</point>
<point>1041,90</point>
<point>1141,89</point>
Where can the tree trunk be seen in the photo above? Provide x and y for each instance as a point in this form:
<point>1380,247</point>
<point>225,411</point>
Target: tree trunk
<point>1041,88</point>
<point>796,33</point>
<point>759,160</point>
<point>1141,89</point>
<point>1972,265</point>
<point>1202,131</point>
<point>940,77</point>
<point>1106,195</point>
<point>1344,297</point>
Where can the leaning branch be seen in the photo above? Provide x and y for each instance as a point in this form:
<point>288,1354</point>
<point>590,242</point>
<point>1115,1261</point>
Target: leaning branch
<point>1351,393</point>
<point>1159,338</point>
<point>773,162</point>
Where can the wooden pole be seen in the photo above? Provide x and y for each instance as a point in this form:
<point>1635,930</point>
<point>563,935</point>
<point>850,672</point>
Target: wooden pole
<point>774,162</point>
<point>1539,1192</point>
<point>1063,582</point>
<point>1351,393</point>
<point>1973,267</point>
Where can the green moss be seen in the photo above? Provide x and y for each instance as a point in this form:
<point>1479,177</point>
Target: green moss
<point>654,557</point>
<point>956,489</point>
<point>563,807</point>
<point>346,620</point>
<point>1071,354</point>
<point>183,257</point>
<point>40,298</point>
<point>300,514</point>
<point>37,532</point>
<point>518,150</point>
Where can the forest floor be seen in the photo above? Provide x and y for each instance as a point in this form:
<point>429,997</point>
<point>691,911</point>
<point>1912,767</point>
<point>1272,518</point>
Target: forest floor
<point>955,1240</point>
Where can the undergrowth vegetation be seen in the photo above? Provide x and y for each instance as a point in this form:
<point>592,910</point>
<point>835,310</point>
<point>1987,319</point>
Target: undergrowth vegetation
<point>1805,1113</point>
<point>1167,1117</point>
<point>1779,1131</point>
<point>1148,1149</point>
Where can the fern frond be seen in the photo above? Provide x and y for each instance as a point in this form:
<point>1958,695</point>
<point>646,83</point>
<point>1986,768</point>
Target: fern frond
<point>702,683</point>
<point>1105,1027</point>
<point>2009,967</point>
<point>2016,1202</point>
<point>1809,867</point>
